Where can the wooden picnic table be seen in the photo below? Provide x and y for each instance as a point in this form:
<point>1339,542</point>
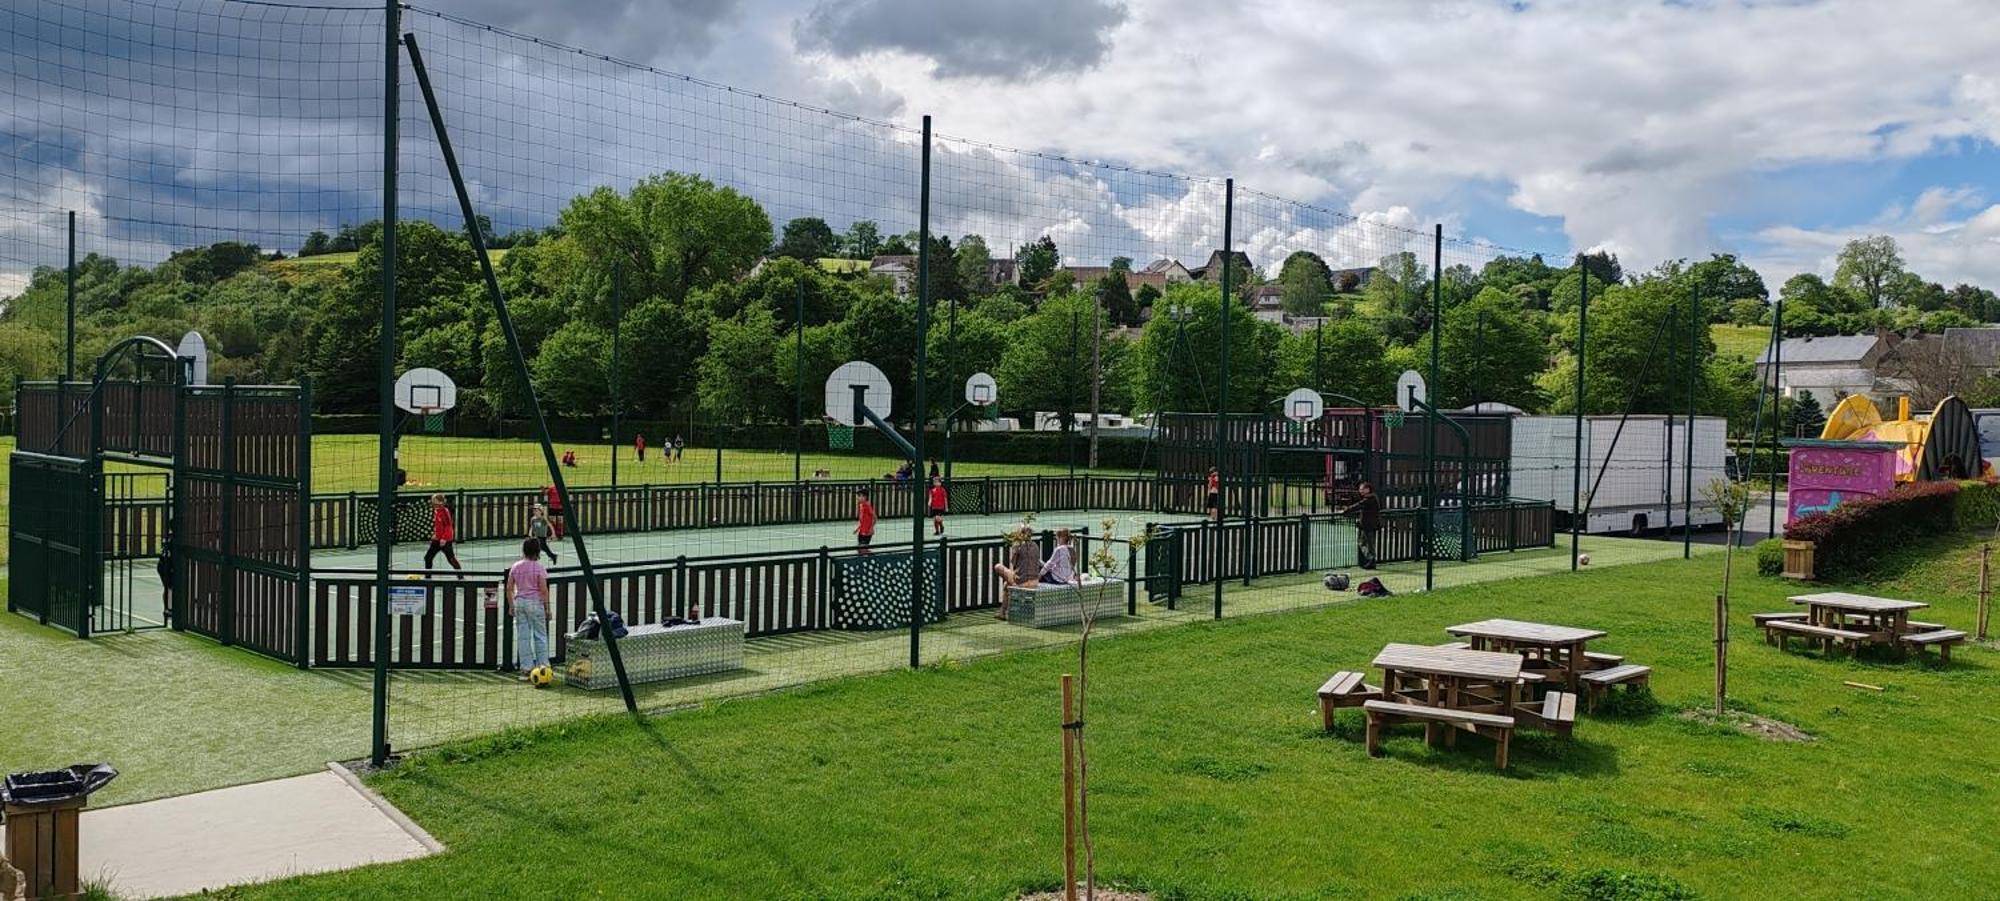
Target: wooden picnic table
<point>1557,651</point>
<point>1450,678</point>
<point>1885,619</point>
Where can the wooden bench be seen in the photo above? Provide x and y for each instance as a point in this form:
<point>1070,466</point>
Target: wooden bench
<point>1630,675</point>
<point>1602,660</point>
<point>1942,638</point>
<point>1762,619</point>
<point>1780,631</point>
<point>1559,712</point>
<point>1345,689</point>
<point>1388,713</point>
<point>1457,645</point>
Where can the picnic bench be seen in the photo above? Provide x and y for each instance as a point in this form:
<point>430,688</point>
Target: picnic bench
<point>1838,619</point>
<point>1601,682</point>
<point>1382,714</point>
<point>1345,689</point>
<point>1558,652</point>
<point>1449,690</point>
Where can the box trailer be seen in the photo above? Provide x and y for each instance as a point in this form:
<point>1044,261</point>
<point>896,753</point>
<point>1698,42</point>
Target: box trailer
<point>1637,473</point>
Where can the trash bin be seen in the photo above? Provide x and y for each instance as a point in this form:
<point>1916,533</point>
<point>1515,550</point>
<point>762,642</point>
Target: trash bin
<point>41,818</point>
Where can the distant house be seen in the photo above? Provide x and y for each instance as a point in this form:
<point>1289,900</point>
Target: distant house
<point>1211,271</point>
<point>1267,302</point>
<point>1172,269</point>
<point>1978,349</point>
<point>1828,369</point>
<point>1003,272</point>
<point>899,268</point>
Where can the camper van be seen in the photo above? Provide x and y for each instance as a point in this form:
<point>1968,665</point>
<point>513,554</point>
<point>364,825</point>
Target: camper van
<point>1633,473</point>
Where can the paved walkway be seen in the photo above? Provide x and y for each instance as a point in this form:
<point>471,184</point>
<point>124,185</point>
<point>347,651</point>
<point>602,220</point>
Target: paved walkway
<point>315,823</point>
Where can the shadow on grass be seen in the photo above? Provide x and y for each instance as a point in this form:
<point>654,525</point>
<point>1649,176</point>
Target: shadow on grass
<point>1533,753</point>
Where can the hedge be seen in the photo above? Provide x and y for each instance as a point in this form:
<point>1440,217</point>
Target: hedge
<point>1848,538</point>
<point>1770,556</point>
<point>1978,504</point>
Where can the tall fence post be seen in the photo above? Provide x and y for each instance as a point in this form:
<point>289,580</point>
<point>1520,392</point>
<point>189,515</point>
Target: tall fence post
<point>385,383</point>
<point>1576,466</point>
<point>302,634</point>
<point>1222,382</point>
<point>921,412</point>
<point>227,627</point>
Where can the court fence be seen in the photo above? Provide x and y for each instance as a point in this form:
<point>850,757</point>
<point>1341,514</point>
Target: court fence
<point>790,591</point>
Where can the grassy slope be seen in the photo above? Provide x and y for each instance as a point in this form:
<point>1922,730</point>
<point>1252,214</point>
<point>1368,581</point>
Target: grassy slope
<point>1746,341</point>
<point>1211,778</point>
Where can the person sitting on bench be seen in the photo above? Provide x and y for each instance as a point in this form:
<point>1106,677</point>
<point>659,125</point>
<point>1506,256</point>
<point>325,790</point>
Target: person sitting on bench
<point>1023,566</point>
<point>1061,568</point>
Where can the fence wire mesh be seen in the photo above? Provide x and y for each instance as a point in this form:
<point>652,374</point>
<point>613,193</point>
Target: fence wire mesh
<point>687,263</point>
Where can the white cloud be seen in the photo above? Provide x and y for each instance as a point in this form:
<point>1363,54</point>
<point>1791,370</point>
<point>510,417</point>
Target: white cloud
<point>1946,235</point>
<point>1635,124</point>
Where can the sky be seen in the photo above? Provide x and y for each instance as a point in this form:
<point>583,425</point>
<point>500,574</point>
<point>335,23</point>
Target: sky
<point>1773,130</point>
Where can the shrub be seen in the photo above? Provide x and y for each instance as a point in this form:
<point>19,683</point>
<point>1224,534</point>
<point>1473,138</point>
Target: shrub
<point>1978,504</point>
<point>1770,556</point>
<point>1848,538</point>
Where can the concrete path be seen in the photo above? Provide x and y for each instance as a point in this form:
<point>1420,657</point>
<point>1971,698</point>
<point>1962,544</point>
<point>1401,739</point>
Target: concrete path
<point>248,833</point>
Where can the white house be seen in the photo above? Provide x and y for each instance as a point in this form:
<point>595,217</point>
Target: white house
<point>1830,368</point>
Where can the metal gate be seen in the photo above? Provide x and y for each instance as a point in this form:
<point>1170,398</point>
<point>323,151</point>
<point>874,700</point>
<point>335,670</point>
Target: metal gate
<point>54,571</point>
<point>134,541</point>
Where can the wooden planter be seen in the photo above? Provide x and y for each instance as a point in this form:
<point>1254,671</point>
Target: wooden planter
<point>1798,559</point>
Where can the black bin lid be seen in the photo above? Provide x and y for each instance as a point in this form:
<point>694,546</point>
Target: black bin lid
<point>55,786</point>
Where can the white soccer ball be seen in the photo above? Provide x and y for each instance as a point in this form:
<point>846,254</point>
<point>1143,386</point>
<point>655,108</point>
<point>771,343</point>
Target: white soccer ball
<point>1583,559</point>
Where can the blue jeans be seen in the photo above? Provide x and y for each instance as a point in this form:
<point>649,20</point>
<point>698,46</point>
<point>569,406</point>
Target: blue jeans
<point>531,633</point>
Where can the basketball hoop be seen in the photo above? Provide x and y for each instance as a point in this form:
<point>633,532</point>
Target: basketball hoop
<point>839,436</point>
<point>433,419</point>
<point>1393,418</point>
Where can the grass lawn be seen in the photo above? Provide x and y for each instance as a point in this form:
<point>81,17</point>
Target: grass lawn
<point>1211,778</point>
<point>1746,341</point>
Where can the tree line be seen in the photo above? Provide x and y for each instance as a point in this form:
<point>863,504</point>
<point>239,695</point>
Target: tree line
<point>717,312</point>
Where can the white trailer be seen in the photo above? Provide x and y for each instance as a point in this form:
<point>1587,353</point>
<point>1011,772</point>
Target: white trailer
<point>1638,482</point>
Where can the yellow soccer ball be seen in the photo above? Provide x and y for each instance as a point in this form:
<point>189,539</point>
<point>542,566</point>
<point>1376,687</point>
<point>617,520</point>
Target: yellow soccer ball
<point>413,577</point>
<point>541,676</point>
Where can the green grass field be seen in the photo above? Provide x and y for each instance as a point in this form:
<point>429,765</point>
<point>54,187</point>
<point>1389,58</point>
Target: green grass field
<point>1211,778</point>
<point>1746,341</point>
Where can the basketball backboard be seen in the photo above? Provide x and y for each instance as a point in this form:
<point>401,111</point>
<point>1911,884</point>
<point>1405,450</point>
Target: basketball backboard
<point>840,392</point>
<point>425,390</point>
<point>981,390</point>
<point>1304,405</point>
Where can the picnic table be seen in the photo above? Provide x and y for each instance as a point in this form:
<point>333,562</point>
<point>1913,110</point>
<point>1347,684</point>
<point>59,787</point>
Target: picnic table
<point>1839,618</point>
<point>1557,652</point>
<point>1885,618</point>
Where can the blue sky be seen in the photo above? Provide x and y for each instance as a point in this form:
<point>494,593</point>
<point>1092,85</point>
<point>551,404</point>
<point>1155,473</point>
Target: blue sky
<point>1776,131</point>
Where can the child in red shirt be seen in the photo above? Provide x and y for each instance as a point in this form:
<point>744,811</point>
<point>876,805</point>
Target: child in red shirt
<point>937,505</point>
<point>555,509</point>
<point>864,512</point>
<point>444,532</point>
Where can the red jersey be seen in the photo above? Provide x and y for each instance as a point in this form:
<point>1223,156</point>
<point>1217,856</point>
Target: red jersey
<point>1214,482</point>
<point>937,497</point>
<point>442,528</point>
<point>555,500</point>
<point>640,442</point>
<point>867,524</point>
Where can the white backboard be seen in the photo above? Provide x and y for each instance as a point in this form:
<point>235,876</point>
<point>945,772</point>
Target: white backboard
<point>194,346</point>
<point>1304,405</point>
<point>1410,384</point>
<point>840,392</point>
<point>981,390</point>
<point>425,390</point>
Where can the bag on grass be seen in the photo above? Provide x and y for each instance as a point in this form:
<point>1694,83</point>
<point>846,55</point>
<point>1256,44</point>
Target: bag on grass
<point>1336,581</point>
<point>1373,588</point>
